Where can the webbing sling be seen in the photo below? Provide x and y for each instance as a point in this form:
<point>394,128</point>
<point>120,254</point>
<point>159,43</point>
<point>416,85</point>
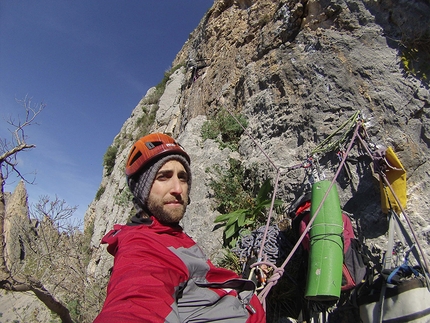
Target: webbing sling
<point>386,265</point>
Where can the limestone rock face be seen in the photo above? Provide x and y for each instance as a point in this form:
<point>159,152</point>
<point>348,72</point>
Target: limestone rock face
<point>16,221</point>
<point>297,70</point>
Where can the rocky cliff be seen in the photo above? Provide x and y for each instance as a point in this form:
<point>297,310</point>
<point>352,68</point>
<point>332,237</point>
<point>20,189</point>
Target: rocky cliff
<point>297,70</point>
<point>26,306</point>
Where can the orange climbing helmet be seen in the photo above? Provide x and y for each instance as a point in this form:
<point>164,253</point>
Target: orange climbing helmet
<point>149,148</point>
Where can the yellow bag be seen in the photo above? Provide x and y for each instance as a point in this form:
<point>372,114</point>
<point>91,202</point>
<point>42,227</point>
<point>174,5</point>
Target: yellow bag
<point>396,176</point>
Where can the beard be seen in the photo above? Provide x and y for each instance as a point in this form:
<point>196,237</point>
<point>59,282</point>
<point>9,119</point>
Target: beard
<point>164,214</point>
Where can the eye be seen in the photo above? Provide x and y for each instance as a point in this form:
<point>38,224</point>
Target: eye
<point>183,176</point>
<point>161,177</point>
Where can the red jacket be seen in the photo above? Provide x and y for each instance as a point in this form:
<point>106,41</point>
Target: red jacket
<point>161,275</point>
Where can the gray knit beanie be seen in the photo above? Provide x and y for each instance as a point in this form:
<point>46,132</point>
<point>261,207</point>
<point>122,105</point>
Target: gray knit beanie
<point>141,184</point>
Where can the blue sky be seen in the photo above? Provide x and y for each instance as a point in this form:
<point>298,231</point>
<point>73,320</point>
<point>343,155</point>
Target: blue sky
<point>90,62</point>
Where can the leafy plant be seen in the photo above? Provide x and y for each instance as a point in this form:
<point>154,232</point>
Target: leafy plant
<point>145,121</point>
<point>85,246</point>
<point>245,219</point>
<point>415,53</point>
<point>124,198</point>
<point>109,159</point>
<point>224,129</point>
<point>100,192</point>
<point>414,63</point>
<point>230,261</point>
<point>228,188</point>
<point>74,308</point>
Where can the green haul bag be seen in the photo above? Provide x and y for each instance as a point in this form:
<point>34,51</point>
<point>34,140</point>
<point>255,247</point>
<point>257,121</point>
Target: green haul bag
<point>324,278</point>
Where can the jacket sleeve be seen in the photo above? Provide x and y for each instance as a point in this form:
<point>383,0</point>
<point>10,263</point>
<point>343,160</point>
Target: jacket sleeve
<point>145,280</point>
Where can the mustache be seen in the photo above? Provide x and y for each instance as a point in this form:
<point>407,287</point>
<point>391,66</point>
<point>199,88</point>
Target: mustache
<point>178,199</point>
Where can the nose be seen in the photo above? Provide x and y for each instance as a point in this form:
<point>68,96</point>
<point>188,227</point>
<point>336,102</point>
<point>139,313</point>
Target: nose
<point>178,186</point>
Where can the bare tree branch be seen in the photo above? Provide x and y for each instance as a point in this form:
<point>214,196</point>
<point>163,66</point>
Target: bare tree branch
<point>47,255</point>
<point>12,275</point>
<point>41,293</point>
<point>18,142</point>
<point>4,157</point>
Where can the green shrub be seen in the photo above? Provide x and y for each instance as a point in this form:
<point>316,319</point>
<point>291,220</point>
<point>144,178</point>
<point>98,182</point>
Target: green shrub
<point>100,192</point>
<point>124,199</point>
<point>230,261</point>
<point>85,246</point>
<point>415,62</point>
<point>74,308</point>
<point>415,53</point>
<point>228,188</point>
<point>109,159</point>
<point>243,221</point>
<point>145,122</point>
<point>242,206</point>
<point>224,129</point>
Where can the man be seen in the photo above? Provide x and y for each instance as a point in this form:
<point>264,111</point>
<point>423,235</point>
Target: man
<point>159,273</point>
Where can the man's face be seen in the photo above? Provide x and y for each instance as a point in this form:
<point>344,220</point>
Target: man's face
<point>168,197</point>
